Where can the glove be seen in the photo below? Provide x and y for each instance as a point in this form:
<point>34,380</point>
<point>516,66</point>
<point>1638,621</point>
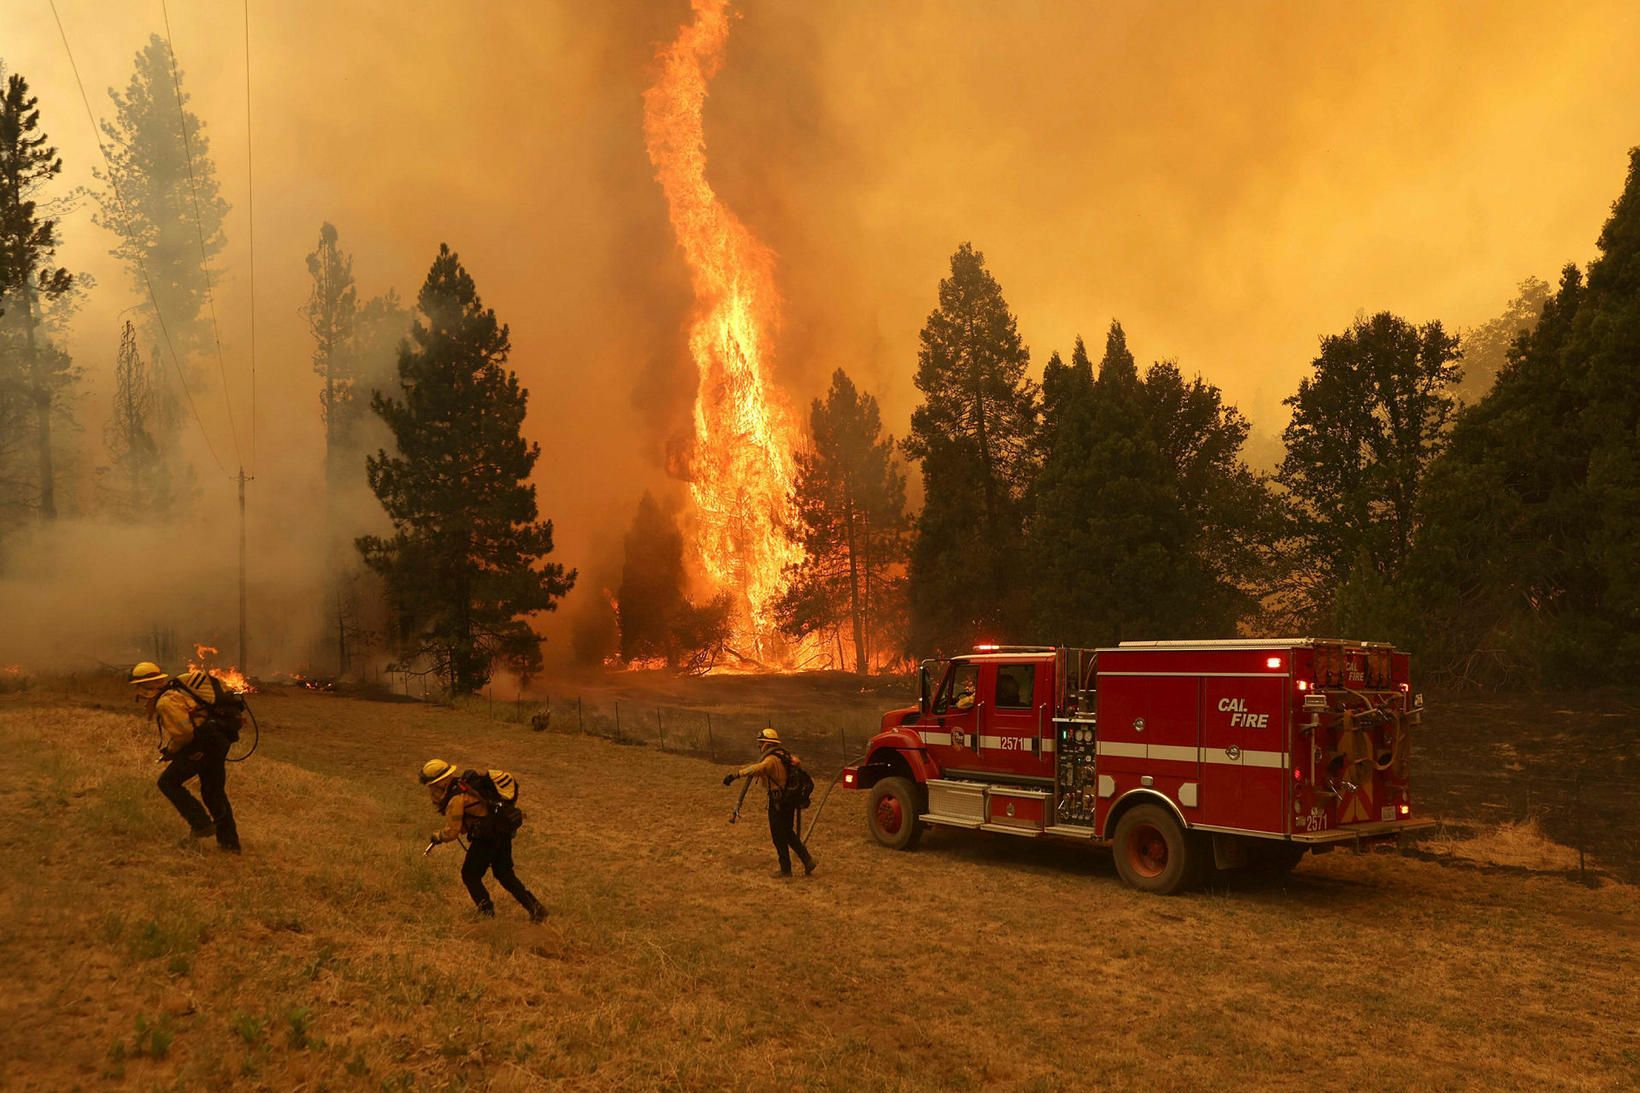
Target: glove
<point>728,779</point>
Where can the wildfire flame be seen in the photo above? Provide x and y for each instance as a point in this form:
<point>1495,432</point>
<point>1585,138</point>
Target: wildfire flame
<point>740,468</point>
<point>232,678</point>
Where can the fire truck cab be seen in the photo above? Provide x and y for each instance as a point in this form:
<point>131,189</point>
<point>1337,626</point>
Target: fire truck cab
<point>1182,756</point>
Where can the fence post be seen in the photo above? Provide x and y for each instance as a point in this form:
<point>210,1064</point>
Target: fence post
<point>617,719</point>
<point>660,728</point>
<point>842,739</point>
<point>711,747</point>
<point>580,722</point>
<point>1577,806</point>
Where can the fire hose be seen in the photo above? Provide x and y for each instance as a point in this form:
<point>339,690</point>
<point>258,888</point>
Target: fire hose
<point>820,808</point>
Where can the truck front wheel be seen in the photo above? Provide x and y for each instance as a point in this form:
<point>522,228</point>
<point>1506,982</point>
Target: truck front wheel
<point>1152,852</point>
<point>892,813</point>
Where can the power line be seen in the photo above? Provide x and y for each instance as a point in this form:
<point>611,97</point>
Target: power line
<point>142,267</point>
<point>199,227</point>
<point>250,186</point>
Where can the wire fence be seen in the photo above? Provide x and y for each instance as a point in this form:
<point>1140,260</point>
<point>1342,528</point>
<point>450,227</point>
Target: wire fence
<point>1586,810</point>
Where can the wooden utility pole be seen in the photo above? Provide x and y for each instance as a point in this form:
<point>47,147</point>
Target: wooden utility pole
<point>244,661</point>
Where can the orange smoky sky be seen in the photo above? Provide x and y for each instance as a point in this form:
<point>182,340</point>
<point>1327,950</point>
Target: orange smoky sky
<point>1231,181</point>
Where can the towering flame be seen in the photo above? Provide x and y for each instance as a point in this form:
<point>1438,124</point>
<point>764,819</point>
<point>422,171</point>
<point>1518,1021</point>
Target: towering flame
<point>740,466</point>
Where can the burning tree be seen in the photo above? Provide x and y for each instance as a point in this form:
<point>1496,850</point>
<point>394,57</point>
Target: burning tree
<point>850,505</point>
<point>464,563</point>
<point>739,466</point>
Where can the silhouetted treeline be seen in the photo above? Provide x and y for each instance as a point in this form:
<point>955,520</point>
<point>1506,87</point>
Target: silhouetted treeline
<point>1498,539</point>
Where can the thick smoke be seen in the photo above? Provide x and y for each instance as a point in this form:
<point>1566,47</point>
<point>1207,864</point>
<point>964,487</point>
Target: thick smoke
<point>1231,183</point>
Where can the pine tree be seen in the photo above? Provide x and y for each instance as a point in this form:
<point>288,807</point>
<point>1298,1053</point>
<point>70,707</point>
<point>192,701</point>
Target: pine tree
<point>1145,522</point>
<point>1527,564</point>
<point>1365,426</point>
<point>973,435</point>
<point>135,480</point>
<point>331,311</point>
<point>159,176</point>
<point>466,560</point>
<point>655,616</point>
<point>28,240</point>
<point>651,597</point>
<point>850,503</point>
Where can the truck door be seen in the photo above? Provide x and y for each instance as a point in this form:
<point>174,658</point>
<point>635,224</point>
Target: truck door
<point>1015,719</point>
<point>954,732</point>
<point>1244,760</point>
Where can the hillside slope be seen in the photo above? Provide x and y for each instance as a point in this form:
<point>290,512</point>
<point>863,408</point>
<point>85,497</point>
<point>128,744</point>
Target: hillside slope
<point>333,954</point>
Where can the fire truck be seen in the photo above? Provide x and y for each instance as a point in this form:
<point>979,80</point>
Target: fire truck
<point>1184,757</point>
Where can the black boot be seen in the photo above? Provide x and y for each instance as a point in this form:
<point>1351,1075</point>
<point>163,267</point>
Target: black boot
<point>486,909</point>
<point>537,911</point>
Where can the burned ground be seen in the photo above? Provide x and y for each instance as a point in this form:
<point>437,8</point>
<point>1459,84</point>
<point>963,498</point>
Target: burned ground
<point>332,954</point>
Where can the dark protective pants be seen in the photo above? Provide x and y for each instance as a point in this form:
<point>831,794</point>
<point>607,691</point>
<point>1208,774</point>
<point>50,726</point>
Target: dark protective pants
<point>493,854</point>
<point>783,829</point>
<point>212,771</point>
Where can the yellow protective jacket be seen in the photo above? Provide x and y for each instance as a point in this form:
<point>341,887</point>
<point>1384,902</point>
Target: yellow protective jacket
<point>178,715</point>
<point>461,810</point>
<point>769,770</point>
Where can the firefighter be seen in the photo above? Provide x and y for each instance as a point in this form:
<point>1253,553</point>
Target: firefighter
<point>771,771</point>
<point>489,846</point>
<point>965,696</point>
<point>189,748</point>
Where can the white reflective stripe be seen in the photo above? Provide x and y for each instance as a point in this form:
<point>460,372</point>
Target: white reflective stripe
<point>1272,673</point>
<point>935,737</point>
<point>1179,754</point>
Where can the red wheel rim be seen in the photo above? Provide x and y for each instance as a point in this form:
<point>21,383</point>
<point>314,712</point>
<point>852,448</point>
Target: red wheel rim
<point>889,816</point>
<point>1147,851</point>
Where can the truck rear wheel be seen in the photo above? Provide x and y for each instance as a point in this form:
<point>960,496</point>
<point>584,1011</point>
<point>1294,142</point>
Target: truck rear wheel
<point>1152,851</point>
<point>892,813</point>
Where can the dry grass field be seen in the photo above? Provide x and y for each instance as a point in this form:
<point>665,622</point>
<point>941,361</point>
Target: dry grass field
<point>332,955</point>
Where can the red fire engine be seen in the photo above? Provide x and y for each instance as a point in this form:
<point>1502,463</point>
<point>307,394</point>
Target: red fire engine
<point>1181,755</point>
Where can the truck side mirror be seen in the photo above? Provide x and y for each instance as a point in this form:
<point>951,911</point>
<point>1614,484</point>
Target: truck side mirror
<point>922,688</point>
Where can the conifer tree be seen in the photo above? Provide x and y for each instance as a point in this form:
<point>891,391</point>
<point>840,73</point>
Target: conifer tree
<point>655,616</point>
<point>331,311</point>
<point>135,479</point>
<point>465,564</point>
<point>159,175</point>
<point>1145,522</point>
<point>651,598</point>
<point>973,435</point>
<point>28,241</point>
<point>1365,426</point>
<point>1526,565</point>
<point>850,503</point>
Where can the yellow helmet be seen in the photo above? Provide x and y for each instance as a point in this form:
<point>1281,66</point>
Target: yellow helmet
<point>768,738</point>
<point>146,672</point>
<point>436,770</point>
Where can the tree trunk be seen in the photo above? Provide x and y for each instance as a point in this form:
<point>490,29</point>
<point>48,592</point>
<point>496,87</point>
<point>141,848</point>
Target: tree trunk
<point>854,607</point>
<point>42,410</point>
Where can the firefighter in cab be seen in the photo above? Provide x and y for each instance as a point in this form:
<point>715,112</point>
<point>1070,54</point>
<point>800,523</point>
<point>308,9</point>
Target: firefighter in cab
<point>790,787</point>
<point>481,806</point>
<point>196,729</point>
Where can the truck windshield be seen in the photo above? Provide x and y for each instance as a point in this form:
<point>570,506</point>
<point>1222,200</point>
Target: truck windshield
<point>959,689</point>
